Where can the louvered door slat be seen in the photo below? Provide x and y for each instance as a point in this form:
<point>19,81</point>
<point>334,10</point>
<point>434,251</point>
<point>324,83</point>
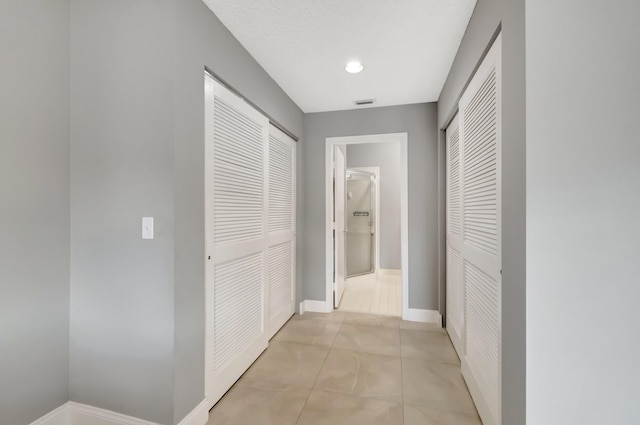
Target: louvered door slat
<point>454,210</point>
<point>237,308</point>
<point>482,343</point>
<point>280,278</point>
<point>238,175</point>
<point>480,165</point>
<point>280,185</point>
<point>455,299</point>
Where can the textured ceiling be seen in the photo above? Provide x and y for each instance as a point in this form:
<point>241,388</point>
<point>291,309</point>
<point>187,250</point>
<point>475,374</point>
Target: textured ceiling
<point>406,46</point>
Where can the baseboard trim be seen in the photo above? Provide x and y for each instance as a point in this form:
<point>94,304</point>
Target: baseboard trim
<point>72,413</point>
<point>421,315</point>
<point>58,416</point>
<point>389,272</point>
<point>198,416</point>
<point>314,306</point>
<point>83,414</point>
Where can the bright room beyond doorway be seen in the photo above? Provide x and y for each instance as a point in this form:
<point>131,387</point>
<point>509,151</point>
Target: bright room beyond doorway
<point>367,224</point>
<point>373,293</point>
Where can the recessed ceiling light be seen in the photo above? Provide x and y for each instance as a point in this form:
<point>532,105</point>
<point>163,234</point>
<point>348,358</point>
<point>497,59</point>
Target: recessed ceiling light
<point>354,67</point>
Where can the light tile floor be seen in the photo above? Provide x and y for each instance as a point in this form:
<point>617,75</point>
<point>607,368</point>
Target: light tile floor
<point>373,294</point>
<point>351,369</point>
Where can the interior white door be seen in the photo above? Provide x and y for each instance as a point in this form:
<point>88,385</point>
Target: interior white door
<point>236,196</point>
<point>455,282</point>
<point>282,230</point>
<point>340,200</point>
<point>481,136</point>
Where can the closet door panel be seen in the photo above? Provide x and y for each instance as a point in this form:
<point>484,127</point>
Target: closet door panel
<point>236,152</point>
<point>281,230</point>
<point>455,283</point>
<point>480,150</point>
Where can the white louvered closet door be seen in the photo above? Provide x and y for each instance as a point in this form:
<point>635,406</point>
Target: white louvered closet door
<point>281,230</point>
<point>455,282</point>
<point>480,133</point>
<point>236,172</point>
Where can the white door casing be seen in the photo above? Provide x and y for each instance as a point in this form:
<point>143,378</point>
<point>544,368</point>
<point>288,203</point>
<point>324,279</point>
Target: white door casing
<point>281,230</point>
<point>340,182</point>
<point>480,112</point>
<point>330,143</point>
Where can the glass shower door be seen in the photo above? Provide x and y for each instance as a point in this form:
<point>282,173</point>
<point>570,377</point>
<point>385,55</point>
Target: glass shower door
<point>360,223</point>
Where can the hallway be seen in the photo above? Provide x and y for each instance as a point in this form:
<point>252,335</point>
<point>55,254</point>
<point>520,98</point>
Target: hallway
<point>350,368</point>
<point>373,293</point>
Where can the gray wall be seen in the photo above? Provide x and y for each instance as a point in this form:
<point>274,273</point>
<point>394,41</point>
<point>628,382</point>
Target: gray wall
<point>137,306</point>
<point>122,301</point>
<point>34,208</point>
<point>583,199</point>
<point>419,121</point>
<point>387,157</point>
<point>203,41</point>
<point>487,17</point>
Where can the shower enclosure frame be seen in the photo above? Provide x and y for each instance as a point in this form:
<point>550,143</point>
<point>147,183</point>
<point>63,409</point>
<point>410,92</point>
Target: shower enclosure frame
<point>374,174</point>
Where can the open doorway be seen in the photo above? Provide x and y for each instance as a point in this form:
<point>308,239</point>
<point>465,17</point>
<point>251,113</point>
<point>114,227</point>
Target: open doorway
<point>367,235</point>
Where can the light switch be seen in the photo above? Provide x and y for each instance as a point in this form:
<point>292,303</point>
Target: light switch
<point>147,227</point>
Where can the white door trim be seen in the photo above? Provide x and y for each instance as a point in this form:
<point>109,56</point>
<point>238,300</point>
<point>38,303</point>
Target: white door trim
<point>330,142</point>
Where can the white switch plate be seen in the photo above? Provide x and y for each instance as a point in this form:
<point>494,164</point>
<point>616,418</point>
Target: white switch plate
<point>147,227</point>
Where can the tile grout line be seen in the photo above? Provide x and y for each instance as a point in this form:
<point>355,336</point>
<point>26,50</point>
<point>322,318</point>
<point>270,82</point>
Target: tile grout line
<point>313,386</point>
<point>355,395</point>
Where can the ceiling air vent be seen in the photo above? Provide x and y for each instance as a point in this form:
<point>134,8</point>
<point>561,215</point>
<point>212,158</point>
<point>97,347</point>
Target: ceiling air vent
<point>364,102</point>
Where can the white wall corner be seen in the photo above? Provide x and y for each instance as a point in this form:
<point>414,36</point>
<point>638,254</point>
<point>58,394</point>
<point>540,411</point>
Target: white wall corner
<point>314,306</point>
<point>421,315</point>
<point>58,416</point>
<point>198,416</point>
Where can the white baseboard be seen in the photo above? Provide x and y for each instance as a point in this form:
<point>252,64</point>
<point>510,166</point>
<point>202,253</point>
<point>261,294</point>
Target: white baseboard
<point>198,416</point>
<point>420,315</point>
<point>314,306</point>
<point>82,414</point>
<point>389,272</point>
<point>59,416</point>
<point>72,413</point>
